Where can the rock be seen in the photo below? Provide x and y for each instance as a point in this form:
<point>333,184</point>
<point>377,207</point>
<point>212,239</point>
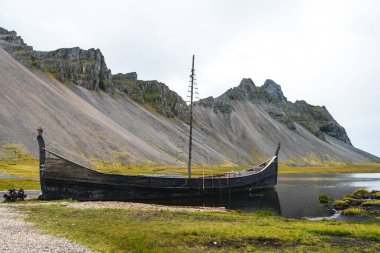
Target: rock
<point>274,90</point>
<point>206,102</point>
<point>316,119</point>
<point>153,94</point>
<point>86,68</point>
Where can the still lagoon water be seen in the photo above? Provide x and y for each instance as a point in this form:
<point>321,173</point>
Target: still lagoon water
<point>295,196</point>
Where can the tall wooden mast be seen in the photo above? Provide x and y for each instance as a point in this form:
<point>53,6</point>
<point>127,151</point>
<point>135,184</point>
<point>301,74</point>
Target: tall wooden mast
<point>191,118</point>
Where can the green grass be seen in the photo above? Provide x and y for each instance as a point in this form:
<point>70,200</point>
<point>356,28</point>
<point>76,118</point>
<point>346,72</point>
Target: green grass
<point>109,230</point>
<point>6,184</point>
<point>25,169</point>
<point>28,170</point>
<point>330,169</point>
<point>215,170</point>
<point>353,211</point>
<point>323,199</point>
<point>135,169</point>
<point>360,192</point>
<point>371,203</point>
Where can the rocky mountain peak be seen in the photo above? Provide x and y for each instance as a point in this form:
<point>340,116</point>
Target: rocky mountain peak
<point>10,41</point>
<point>274,90</point>
<point>11,37</point>
<point>82,67</point>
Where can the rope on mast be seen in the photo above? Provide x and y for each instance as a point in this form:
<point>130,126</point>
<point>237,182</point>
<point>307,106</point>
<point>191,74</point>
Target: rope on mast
<point>191,118</point>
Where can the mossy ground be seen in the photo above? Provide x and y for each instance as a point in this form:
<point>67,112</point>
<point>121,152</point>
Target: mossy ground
<point>111,230</point>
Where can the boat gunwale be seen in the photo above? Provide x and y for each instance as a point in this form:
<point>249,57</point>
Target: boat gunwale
<point>268,162</point>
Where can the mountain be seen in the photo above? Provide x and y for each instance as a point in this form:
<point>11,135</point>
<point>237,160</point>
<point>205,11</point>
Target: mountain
<point>88,113</point>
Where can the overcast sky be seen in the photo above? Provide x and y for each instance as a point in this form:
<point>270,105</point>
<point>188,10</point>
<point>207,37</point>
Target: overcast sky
<point>324,52</point>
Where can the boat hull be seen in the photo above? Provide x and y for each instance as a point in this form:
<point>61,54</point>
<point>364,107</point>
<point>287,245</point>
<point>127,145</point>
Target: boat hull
<point>62,179</point>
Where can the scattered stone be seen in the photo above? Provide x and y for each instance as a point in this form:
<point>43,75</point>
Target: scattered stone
<point>18,236</point>
<point>139,206</point>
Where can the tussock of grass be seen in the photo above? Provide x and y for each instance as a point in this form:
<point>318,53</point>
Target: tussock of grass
<point>360,192</point>
<point>340,202</point>
<point>109,230</point>
<point>371,203</point>
<point>323,199</point>
<point>353,211</point>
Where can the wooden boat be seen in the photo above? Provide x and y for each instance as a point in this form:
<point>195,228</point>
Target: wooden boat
<point>61,178</point>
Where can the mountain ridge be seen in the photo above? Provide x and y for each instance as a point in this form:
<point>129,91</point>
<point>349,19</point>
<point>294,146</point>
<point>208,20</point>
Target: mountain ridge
<point>110,113</point>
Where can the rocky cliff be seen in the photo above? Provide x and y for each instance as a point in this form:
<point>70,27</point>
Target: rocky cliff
<point>153,94</point>
<point>87,68</point>
<point>316,119</point>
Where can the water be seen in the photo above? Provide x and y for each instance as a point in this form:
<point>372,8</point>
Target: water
<point>10,177</point>
<point>295,196</point>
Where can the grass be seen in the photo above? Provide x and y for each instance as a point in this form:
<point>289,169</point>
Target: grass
<point>110,230</point>
<point>371,203</point>
<point>27,170</point>
<point>197,171</point>
<point>330,169</point>
<point>24,169</point>
<point>323,199</point>
<point>353,211</point>
<point>6,184</point>
<point>359,192</point>
<point>214,170</point>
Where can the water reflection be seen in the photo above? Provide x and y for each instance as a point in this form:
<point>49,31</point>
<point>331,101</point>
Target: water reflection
<point>295,196</point>
<point>250,202</point>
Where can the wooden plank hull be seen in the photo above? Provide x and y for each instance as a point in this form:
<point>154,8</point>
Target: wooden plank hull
<point>62,179</point>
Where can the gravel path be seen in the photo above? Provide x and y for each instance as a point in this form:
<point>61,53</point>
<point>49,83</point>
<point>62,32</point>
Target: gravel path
<point>18,236</point>
<point>139,206</point>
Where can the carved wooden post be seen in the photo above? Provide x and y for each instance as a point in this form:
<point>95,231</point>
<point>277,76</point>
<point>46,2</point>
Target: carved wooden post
<point>276,160</point>
<point>41,144</point>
